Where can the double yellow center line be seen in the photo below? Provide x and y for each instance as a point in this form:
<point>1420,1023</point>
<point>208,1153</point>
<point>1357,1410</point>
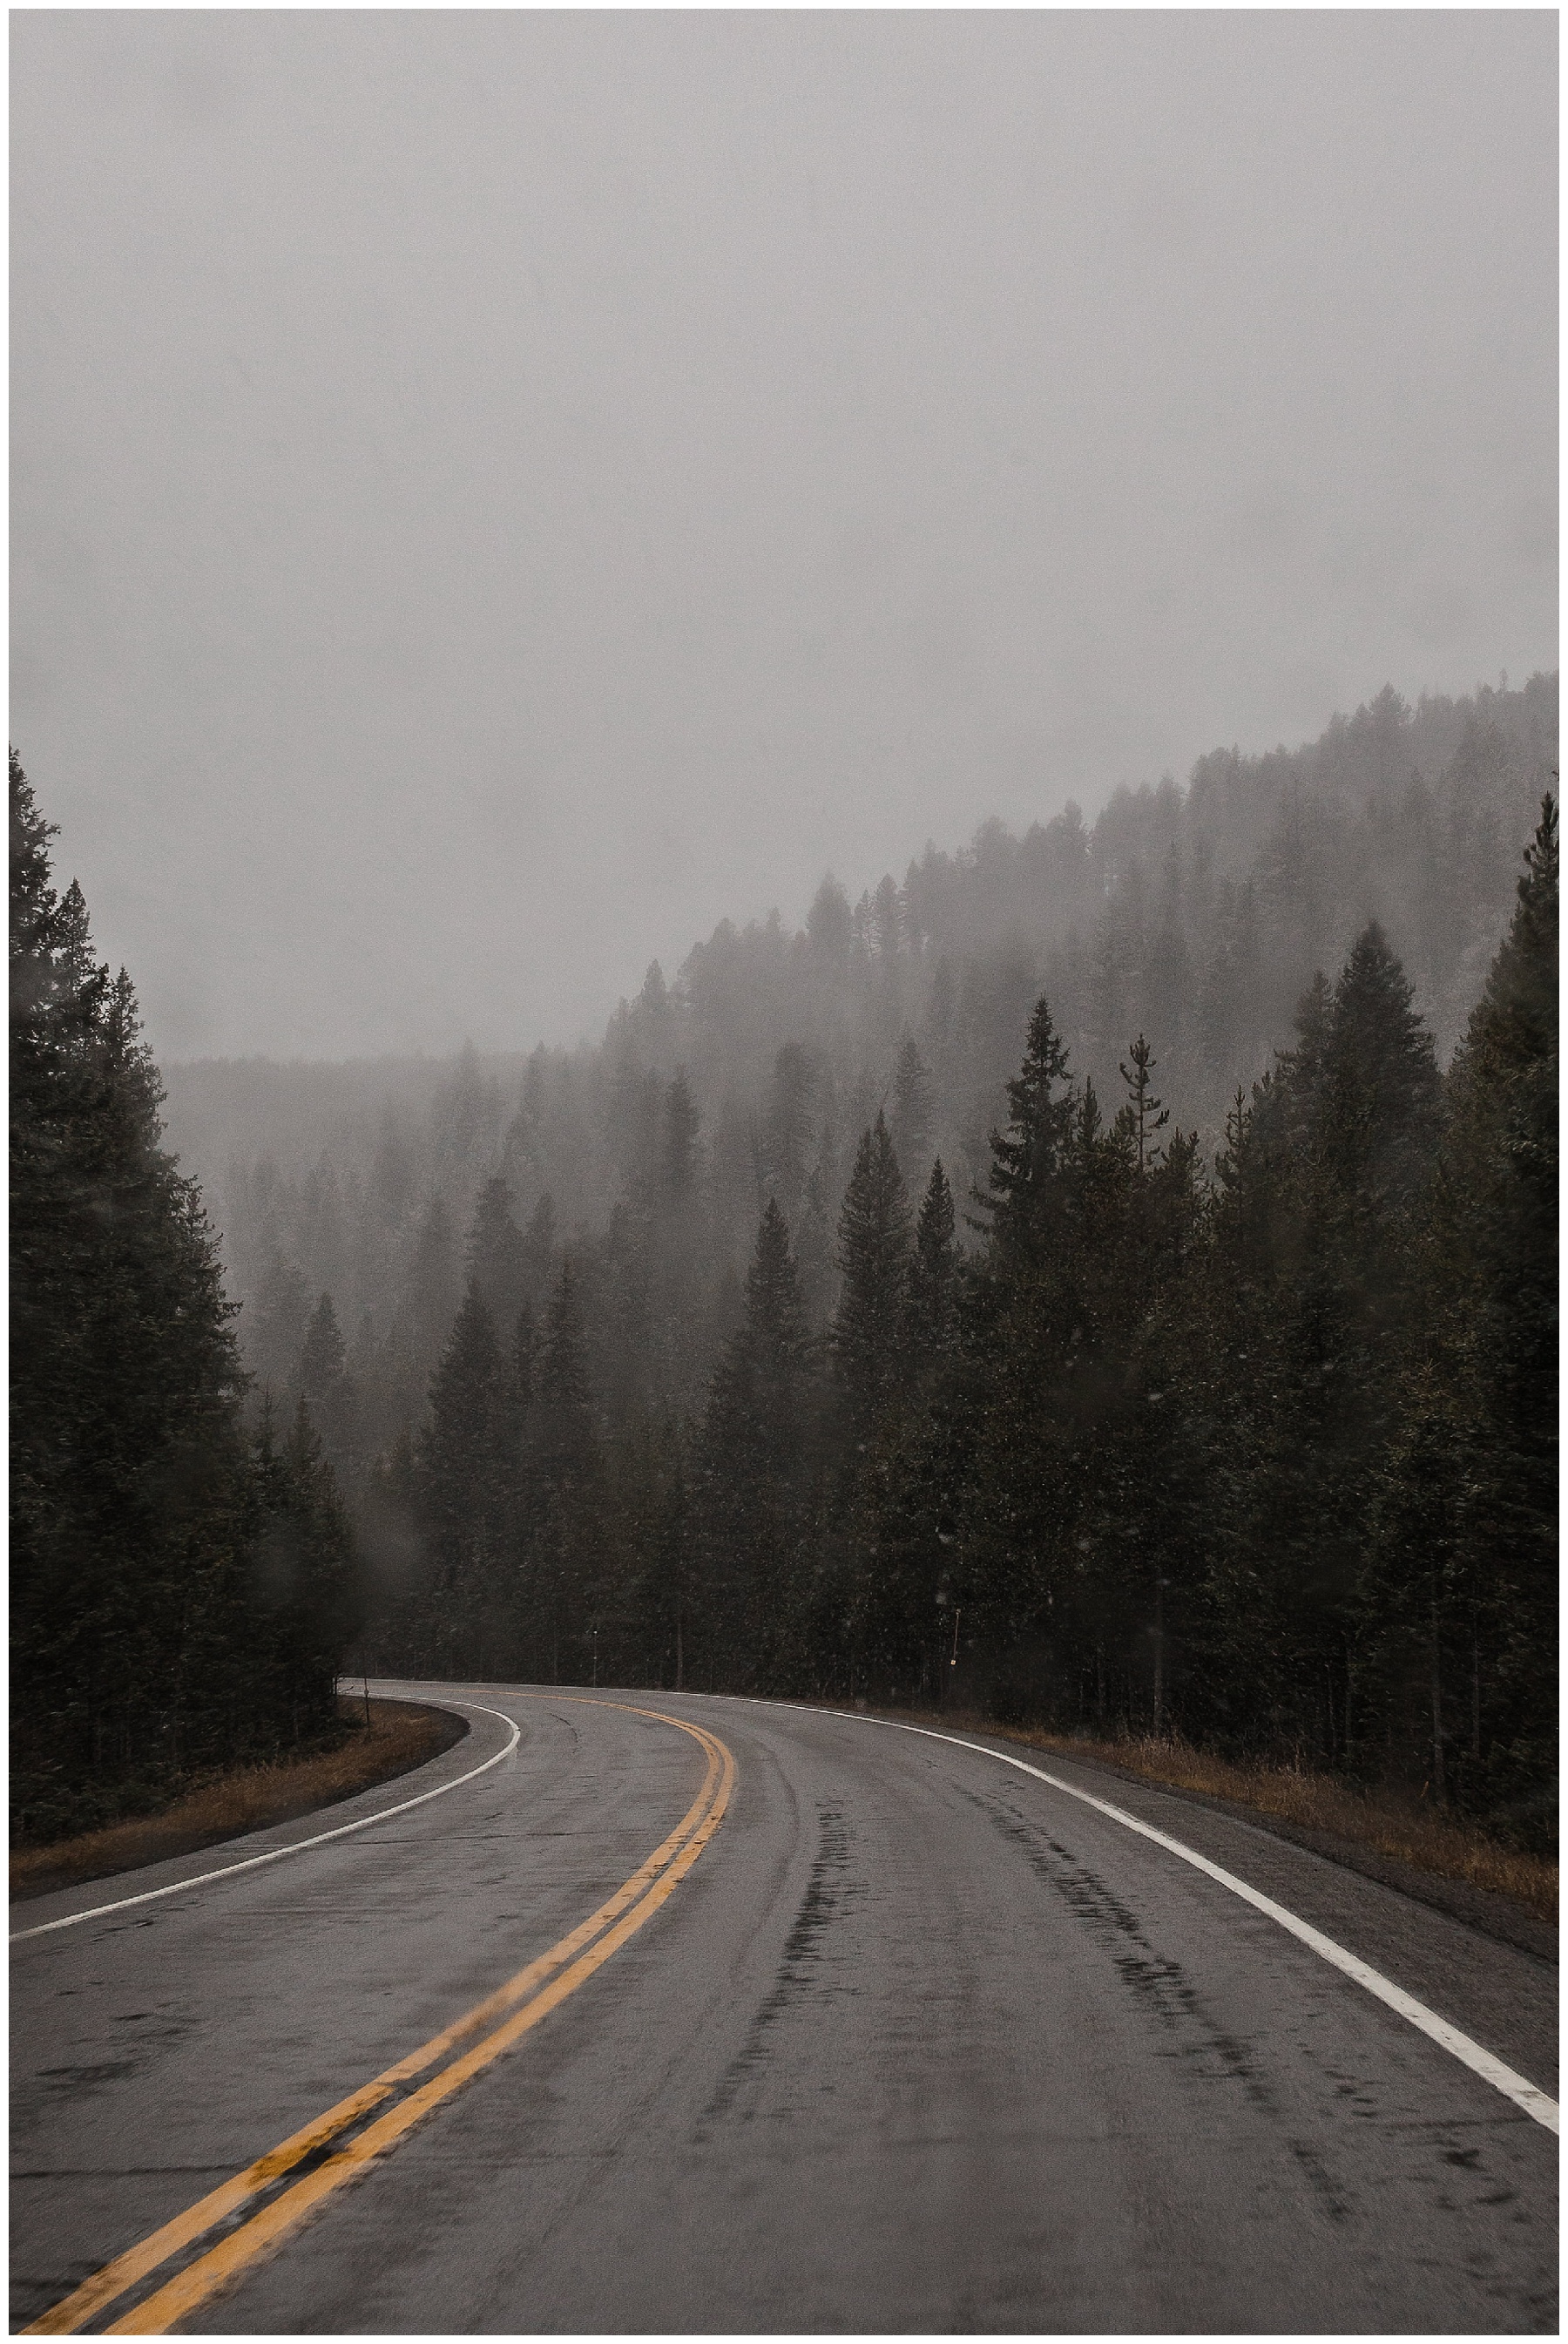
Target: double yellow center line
<point>260,2207</point>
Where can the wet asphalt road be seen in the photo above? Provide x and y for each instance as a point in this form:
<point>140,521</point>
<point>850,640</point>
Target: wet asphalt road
<point>919,2044</point>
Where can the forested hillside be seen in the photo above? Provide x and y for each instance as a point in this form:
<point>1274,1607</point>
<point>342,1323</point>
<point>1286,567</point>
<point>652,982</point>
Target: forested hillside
<point>181,1585</point>
<point>1071,1262</point>
<point>1194,915</point>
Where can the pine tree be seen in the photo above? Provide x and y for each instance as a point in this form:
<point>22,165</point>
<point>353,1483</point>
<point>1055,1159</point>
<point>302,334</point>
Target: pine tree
<point>869,1328</point>
<point>1144,1114</point>
<point>786,1137</point>
<point>497,1261</point>
<point>829,926</point>
<point>914,1106</point>
<point>756,1474</point>
<point>308,1595</point>
<point>565,1396</point>
<point>933,1286</point>
<point>565,1570</point>
<point>524,1359</point>
<point>814,1251</point>
<point>1381,1110</point>
<point>1030,1158</point>
<point>1313,1224</point>
<point>666,1275</point>
<point>323,1356</point>
<point>681,1123</point>
<point>466,1483</point>
<point>275,1322</point>
<point>132,1487</point>
<point>539,1252</point>
<point>333,1397</point>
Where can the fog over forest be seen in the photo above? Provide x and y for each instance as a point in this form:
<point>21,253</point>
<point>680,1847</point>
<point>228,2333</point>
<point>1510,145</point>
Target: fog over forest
<point>1113,1263</point>
<point>1195,915</point>
<point>501,495</point>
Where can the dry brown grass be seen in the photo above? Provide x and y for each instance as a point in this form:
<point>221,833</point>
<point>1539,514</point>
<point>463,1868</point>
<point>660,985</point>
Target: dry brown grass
<point>1403,1830</point>
<point>400,1735</point>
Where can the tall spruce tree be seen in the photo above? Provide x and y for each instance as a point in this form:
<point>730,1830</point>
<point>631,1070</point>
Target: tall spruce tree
<point>308,1599</point>
<point>932,1308</point>
<point>1030,1158</point>
<point>324,1354</point>
<point>331,1393</point>
<point>757,1471</point>
<point>467,1483</point>
<point>275,1322</point>
<point>678,1163</point>
<point>869,1327</point>
<point>914,1106</point>
<point>565,1570</point>
<point>539,1253</point>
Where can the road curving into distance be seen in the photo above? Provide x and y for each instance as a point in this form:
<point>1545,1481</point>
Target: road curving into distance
<point>659,2012</point>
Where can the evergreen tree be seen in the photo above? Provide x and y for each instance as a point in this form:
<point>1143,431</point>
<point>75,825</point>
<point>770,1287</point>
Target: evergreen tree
<point>681,1123</point>
<point>539,1252</point>
<point>814,1251</point>
<point>786,1137</point>
<point>1143,1116</point>
<point>326,1384</point>
<point>1317,1193</point>
<point>323,1356</point>
<point>757,1471</point>
<point>565,1396</point>
<point>497,1261</point>
<point>829,925</point>
<point>932,1318</point>
<point>466,1484</point>
<point>914,1106</point>
<point>566,1566</point>
<point>1381,1109</point>
<point>133,1493</point>
<point>1030,1158</point>
<point>307,1600</point>
<point>869,1328</point>
<point>524,1359</point>
<point>275,1323</point>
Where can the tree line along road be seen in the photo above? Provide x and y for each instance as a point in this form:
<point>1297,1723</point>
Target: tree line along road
<point>660,2012</point>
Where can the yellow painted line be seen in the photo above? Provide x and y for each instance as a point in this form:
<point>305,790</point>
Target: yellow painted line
<point>576,1957</point>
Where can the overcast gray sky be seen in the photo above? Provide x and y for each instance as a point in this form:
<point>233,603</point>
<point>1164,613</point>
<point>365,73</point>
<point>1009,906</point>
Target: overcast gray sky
<point>494,493</point>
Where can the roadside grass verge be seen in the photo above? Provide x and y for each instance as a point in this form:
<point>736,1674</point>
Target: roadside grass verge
<point>400,1736</point>
<point>1379,1823</point>
<point>1401,1829</point>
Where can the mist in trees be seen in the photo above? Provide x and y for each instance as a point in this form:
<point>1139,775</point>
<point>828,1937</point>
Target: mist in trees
<point>1066,1280</point>
<point>1196,917</point>
<point>1260,1451</point>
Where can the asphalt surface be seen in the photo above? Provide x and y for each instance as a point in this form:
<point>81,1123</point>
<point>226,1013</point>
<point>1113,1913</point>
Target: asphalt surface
<point>918,2043</point>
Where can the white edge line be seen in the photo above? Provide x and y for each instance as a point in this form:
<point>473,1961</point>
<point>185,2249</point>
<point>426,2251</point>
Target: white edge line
<point>1485,2064</point>
<point>274,1855</point>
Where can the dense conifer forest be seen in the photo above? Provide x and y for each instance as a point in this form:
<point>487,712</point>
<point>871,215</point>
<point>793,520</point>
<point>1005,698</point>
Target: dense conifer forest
<point>181,1583</point>
<point>1108,1278</point>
